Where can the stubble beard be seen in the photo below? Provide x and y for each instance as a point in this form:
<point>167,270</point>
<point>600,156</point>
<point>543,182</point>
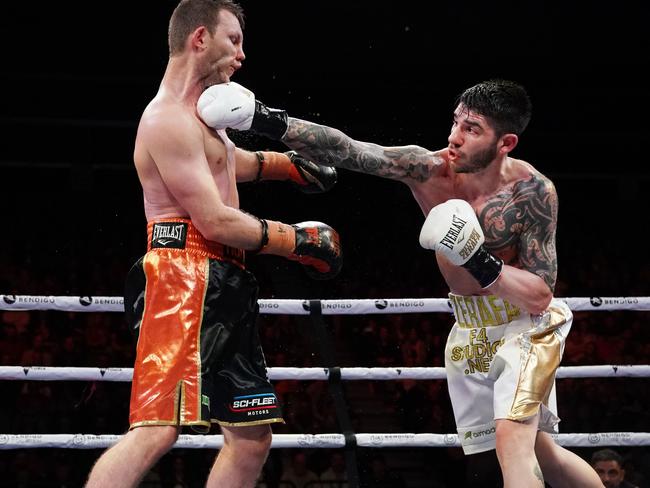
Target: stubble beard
<point>479,161</point>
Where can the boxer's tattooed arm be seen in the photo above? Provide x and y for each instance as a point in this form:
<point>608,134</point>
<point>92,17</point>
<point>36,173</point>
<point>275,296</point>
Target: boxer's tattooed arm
<point>328,146</point>
<point>521,221</point>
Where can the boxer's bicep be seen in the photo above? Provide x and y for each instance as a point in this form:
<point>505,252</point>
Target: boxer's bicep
<point>179,154</point>
<point>537,251</point>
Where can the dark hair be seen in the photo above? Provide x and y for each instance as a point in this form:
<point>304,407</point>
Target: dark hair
<point>504,103</point>
<point>192,14</point>
<point>606,455</point>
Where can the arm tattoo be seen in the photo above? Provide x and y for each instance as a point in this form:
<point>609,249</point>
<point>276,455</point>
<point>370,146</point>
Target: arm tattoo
<point>327,146</point>
<point>538,473</point>
<point>523,219</point>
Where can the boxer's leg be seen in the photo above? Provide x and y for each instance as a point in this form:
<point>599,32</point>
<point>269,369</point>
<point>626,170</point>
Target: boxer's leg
<point>240,461</point>
<point>126,463</point>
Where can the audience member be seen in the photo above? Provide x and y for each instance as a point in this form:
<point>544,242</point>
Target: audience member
<point>609,466</point>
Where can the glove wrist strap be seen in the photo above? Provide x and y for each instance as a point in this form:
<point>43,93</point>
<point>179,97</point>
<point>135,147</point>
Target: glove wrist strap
<point>484,266</point>
<point>277,238</point>
<point>275,166</point>
<point>269,122</point>
<point>260,166</point>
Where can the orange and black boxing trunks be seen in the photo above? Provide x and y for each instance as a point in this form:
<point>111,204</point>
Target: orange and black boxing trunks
<point>199,359</point>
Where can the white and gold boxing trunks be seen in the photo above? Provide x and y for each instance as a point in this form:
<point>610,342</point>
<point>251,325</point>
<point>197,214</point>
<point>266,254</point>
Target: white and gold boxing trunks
<point>501,363</point>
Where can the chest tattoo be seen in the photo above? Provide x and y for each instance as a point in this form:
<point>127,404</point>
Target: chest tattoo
<point>519,224</point>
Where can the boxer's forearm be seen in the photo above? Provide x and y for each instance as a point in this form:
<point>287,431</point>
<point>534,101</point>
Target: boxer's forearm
<point>522,288</point>
<point>329,146</point>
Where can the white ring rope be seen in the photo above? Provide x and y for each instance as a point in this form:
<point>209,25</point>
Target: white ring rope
<point>91,441</point>
<point>301,307</point>
<point>50,373</point>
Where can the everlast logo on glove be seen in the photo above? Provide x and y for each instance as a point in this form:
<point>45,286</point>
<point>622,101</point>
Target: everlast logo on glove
<point>462,240</point>
<point>169,235</point>
<point>457,225</point>
<point>468,249</point>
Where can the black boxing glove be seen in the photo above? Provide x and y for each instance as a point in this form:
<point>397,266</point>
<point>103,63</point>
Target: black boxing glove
<point>315,245</point>
<point>306,176</point>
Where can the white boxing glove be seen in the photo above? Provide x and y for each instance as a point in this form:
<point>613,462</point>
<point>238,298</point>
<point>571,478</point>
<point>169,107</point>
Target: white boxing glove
<point>227,105</point>
<point>230,105</point>
<point>452,229</point>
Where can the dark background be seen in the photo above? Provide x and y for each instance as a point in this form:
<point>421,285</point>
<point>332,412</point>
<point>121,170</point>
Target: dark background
<point>75,78</point>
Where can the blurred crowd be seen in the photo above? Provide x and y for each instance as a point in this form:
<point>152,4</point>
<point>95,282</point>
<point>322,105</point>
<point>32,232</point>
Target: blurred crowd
<point>51,338</point>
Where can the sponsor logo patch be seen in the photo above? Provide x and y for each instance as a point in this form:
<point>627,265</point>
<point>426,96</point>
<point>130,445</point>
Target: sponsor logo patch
<point>252,405</point>
<point>169,235</point>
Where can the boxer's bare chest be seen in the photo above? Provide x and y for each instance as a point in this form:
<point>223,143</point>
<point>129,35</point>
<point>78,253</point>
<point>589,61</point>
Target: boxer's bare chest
<point>215,151</point>
<point>503,213</point>
<point>502,220</point>
<point>220,154</point>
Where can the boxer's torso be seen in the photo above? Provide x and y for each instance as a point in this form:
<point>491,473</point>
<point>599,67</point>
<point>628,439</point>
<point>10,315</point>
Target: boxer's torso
<point>504,212</point>
<point>219,152</point>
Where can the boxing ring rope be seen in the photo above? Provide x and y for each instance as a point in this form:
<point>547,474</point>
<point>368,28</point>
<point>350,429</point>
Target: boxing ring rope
<point>301,307</point>
<point>53,373</point>
<point>323,441</point>
<point>304,307</point>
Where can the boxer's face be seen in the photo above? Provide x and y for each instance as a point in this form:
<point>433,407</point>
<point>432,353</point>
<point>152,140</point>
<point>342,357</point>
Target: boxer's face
<point>225,52</point>
<point>472,141</point>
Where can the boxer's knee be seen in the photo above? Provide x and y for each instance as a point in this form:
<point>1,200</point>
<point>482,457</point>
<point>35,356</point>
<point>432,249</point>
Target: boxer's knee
<point>158,438</point>
<point>515,439</point>
<point>254,441</point>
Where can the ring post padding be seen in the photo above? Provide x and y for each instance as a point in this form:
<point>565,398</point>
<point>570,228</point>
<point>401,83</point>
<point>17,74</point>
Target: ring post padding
<point>336,390</point>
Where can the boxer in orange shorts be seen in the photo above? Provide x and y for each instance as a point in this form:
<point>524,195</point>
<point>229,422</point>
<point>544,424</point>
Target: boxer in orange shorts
<point>199,358</point>
<point>193,302</point>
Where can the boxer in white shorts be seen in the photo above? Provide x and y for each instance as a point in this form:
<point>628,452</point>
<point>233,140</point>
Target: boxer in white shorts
<point>501,364</point>
<point>491,220</point>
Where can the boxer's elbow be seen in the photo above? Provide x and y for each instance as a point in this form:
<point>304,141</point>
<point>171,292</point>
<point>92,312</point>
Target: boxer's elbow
<point>540,299</point>
<point>526,290</point>
<point>230,227</point>
<point>214,233</point>
<point>214,226</point>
